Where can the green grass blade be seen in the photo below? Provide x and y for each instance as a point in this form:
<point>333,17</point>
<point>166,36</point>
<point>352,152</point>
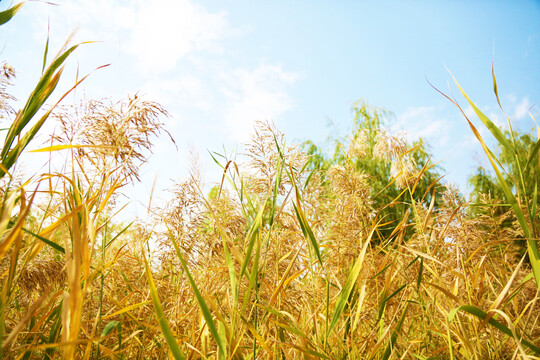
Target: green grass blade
<point>532,245</point>
<point>42,91</point>
<point>495,90</point>
<point>202,304</point>
<point>534,152</point>
<point>253,275</point>
<point>494,129</point>
<point>251,237</point>
<point>6,15</point>
<point>351,280</point>
<point>158,309</point>
<point>535,201</point>
<point>52,244</point>
<point>292,329</point>
<point>473,310</point>
<point>110,327</point>
<point>118,235</point>
<point>37,98</point>
<point>11,155</point>
<point>55,329</point>
<point>306,229</point>
<point>46,52</point>
<point>35,101</point>
<point>383,303</point>
<point>495,84</point>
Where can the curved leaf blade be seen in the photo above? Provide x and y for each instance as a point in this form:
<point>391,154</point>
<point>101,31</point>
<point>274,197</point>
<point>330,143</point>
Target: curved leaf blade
<point>6,15</point>
<point>158,310</point>
<point>482,315</point>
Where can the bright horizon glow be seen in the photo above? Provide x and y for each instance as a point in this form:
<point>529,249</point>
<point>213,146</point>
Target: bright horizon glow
<point>218,67</point>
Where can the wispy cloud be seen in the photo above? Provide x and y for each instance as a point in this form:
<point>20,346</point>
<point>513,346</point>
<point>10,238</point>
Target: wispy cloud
<point>156,34</point>
<point>257,94</point>
<point>181,90</point>
<point>183,55</point>
<point>521,110</point>
<point>422,122</point>
<point>230,99</point>
<point>161,35</point>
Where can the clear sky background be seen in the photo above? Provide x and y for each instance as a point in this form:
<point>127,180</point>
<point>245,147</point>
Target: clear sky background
<point>217,66</point>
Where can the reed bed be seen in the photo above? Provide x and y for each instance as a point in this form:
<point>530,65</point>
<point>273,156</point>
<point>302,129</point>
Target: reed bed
<point>281,259</point>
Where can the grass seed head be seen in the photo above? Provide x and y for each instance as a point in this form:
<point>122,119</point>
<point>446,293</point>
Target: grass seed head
<point>7,74</point>
<point>118,135</point>
<point>40,274</point>
<point>359,145</point>
<point>389,147</point>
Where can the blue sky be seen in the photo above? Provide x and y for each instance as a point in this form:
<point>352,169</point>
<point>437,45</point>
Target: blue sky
<point>219,66</point>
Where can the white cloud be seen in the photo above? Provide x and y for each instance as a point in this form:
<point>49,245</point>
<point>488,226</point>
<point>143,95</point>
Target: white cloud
<point>156,33</point>
<point>184,90</point>
<point>167,49</point>
<point>162,35</point>
<point>258,94</point>
<point>231,100</point>
<point>522,109</point>
<point>422,122</point>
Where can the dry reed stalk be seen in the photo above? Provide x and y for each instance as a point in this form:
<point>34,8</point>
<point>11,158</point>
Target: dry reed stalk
<point>247,249</point>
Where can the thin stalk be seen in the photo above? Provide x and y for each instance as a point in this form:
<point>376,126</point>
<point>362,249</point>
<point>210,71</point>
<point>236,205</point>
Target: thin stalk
<point>102,277</point>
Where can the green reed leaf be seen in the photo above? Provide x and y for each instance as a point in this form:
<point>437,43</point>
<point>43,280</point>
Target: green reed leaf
<point>6,15</point>
<point>200,300</point>
<point>351,280</point>
<point>162,320</point>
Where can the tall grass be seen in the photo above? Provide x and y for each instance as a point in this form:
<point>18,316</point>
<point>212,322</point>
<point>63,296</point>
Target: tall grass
<point>276,261</point>
<point>524,208</point>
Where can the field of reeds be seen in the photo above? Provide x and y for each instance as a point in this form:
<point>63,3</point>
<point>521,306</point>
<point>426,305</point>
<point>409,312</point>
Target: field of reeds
<point>290,255</point>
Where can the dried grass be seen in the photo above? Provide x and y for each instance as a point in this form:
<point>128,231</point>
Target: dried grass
<point>436,260</point>
<point>7,74</point>
<point>117,136</point>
